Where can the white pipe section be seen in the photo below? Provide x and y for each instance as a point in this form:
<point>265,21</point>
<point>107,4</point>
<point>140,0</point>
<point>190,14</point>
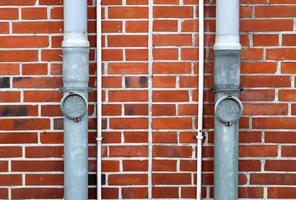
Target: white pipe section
<point>199,137</point>
<point>150,89</point>
<point>99,101</point>
<point>227,34</point>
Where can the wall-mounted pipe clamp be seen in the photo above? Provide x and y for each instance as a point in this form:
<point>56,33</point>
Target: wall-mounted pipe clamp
<point>228,110</point>
<point>74,106</point>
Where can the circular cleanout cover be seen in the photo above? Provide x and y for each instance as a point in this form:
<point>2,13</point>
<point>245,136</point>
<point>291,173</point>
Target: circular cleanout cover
<point>74,105</point>
<point>228,109</point>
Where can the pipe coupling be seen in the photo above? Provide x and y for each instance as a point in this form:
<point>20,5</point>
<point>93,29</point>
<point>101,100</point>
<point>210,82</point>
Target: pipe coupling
<point>74,106</point>
<point>228,110</point>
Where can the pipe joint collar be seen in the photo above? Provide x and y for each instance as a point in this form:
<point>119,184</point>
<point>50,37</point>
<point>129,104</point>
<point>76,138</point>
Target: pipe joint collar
<point>227,42</point>
<point>75,40</point>
<point>74,106</point>
<point>228,110</point>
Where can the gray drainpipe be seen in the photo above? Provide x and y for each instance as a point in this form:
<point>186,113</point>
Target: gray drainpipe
<point>74,103</point>
<point>228,108</point>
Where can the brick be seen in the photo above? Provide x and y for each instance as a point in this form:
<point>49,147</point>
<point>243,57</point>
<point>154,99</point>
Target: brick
<point>111,2</point>
<point>266,40</point>
<point>37,82</point>
<point>265,109</point>
<point>288,68</point>
<point>137,2</point>
<point>272,179</point>
<point>165,25</point>
<point>18,56</point>
<point>34,13</point>
<point>111,109</point>
<point>249,165</point>
<point>127,179</point>
<point>289,39</point>
<point>136,26</point>
<point>128,96</point>
<point>4,27</point>
<point>10,152</point>
<point>136,137</point>
<point>8,13</point>
<point>189,26</point>
<point>111,82</point>
<point>37,193</point>
<point>136,82</point>
<point>112,27</point>
<point>3,167</point>
<point>128,68</point>
<point>281,192</point>
<point>165,54</point>
<point>112,137</point>
<point>44,179</point>
<point>44,152</point>
<point>172,40</point>
<point>112,54</point>
<point>136,193</point>
<point>165,192</point>
<point>42,96</point>
<point>189,54</point>
<point>266,25</point>
<point>280,137</point>
<point>127,12</point>
<point>250,192</point>
<point>258,67</point>
<point>127,41</point>
<point>110,193</point>
<point>110,166</point>
<point>288,151</point>
<point>136,54</point>
<point>170,96</point>
<point>24,124</point>
<point>258,151</point>
<point>21,110</point>
<point>171,179</point>
<point>36,166</point>
<point>281,54</point>
<point>275,11</point>
<point>51,55</point>
<point>37,27</point>
<point>164,82</point>
<point>258,95</point>
<point>128,123</point>
<point>280,165</point>
<point>5,82</point>
<point>34,69</point>
<point>172,68</point>
<point>172,151</point>
<point>265,81</point>
<point>135,165</point>
<point>163,110</point>
<point>274,123</point>
<point>172,123</point>
<point>18,138</point>
<point>17,2</point>
<point>10,180</point>
<point>172,12</point>
<point>252,54</point>
<point>136,109</point>
<point>9,69</point>
<point>164,165</point>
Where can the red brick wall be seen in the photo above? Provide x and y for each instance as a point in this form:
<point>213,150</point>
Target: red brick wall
<point>31,139</point>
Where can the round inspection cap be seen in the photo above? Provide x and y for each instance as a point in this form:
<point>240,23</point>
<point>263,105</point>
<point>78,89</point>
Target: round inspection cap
<point>74,105</point>
<point>228,109</point>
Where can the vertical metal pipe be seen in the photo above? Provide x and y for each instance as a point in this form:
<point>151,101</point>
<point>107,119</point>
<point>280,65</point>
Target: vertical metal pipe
<point>74,104</point>
<point>99,101</point>
<point>228,108</point>
<point>199,136</point>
